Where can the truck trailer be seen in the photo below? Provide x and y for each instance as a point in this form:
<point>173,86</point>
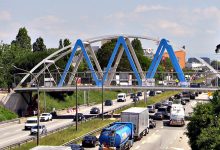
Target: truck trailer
<point>119,136</point>
<point>139,117</point>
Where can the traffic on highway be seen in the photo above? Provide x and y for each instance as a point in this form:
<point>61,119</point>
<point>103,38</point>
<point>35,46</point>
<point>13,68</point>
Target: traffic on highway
<point>161,115</point>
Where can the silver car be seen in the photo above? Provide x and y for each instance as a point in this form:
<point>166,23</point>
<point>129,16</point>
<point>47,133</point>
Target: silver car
<point>42,129</point>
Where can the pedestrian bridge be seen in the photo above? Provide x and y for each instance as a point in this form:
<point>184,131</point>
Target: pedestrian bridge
<point>68,76</point>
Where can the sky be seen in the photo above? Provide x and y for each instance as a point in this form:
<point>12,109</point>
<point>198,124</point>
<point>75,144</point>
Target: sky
<point>193,23</point>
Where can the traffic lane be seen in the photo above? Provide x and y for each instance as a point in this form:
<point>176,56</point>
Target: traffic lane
<point>16,130</point>
<point>158,138</point>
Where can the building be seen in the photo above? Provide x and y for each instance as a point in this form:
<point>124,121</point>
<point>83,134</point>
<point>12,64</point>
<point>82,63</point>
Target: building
<point>194,60</point>
<point>180,55</point>
<point>148,53</point>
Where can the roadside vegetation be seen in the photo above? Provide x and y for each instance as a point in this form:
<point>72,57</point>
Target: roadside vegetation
<point>6,114</point>
<point>203,129</point>
<point>68,134</point>
<point>150,100</point>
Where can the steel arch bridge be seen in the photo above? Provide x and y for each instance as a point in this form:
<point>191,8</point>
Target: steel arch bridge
<point>83,48</point>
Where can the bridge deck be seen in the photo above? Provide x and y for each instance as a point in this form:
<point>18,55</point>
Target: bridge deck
<point>73,88</point>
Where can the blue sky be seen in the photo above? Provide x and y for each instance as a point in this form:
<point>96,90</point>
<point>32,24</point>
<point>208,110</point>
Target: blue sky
<point>193,23</point>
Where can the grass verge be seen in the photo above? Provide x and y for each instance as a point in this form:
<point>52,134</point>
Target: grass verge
<point>150,100</point>
<point>68,134</point>
<point>6,114</point>
<point>94,97</point>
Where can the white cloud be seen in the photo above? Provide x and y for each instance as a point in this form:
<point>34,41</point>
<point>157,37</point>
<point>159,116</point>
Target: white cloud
<point>145,8</point>
<point>208,12</point>
<point>5,16</point>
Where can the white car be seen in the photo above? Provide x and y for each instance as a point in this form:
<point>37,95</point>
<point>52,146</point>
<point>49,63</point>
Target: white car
<point>42,129</point>
<point>31,122</point>
<point>45,117</point>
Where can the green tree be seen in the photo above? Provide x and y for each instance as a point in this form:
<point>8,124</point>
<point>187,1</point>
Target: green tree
<point>39,45</point>
<point>66,42</point>
<point>202,118</point>
<point>60,44</point>
<point>105,52</point>
<point>22,39</point>
<point>136,44</point>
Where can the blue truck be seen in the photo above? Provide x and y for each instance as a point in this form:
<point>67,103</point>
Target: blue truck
<point>119,135</point>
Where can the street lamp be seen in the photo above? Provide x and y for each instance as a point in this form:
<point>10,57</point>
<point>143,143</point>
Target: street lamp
<point>77,104</point>
<point>38,102</point>
<point>102,98</point>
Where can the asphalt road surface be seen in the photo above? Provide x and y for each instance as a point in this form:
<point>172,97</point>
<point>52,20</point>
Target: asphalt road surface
<point>11,133</point>
<point>166,137</point>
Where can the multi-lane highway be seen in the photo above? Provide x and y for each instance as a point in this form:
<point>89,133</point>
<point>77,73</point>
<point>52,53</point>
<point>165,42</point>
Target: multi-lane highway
<point>165,137</point>
<point>162,137</point>
<point>14,132</point>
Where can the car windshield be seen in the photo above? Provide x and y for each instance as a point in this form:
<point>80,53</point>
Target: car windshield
<point>44,114</point>
<point>35,127</point>
<point>31,121</point>
<point>161,109</point>
<point>158,113</point>
<point>149,106</point>
<point>120,96</point>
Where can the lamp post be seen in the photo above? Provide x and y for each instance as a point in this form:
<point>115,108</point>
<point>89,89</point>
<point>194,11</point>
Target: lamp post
<point>38,97</point>
<point>76,104</point>
<point>102,99</point>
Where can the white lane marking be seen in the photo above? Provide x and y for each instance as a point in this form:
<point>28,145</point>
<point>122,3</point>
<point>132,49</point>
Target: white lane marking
<point>143,142</point>
<point>161,127</point>
<point>137,147</point>
<point>157,130</point>
<point>176,148</point>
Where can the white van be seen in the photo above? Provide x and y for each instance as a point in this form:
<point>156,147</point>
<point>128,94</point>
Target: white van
<point>31,122</point>
<point>121,97</point>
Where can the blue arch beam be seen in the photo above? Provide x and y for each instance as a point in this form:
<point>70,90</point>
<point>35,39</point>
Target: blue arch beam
<point>158,56</point>
<point>121,41</point>
<point>80,44</point>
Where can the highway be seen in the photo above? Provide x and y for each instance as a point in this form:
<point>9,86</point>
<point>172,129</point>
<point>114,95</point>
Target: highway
<point>162,137</point>
<point>13,132</point>
<point>165,137</point>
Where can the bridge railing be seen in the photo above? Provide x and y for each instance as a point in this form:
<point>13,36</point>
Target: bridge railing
<point>206,79</point>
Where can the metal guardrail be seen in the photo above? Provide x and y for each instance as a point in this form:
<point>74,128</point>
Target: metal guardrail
<point>81,137</point>
<point>18,144</point>
<point>29,139</point>
<point>10,121</point>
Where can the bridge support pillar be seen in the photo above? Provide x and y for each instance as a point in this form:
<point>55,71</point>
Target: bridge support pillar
<point>145,97</point>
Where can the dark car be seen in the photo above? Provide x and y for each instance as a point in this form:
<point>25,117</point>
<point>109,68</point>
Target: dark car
<point>90,141</point>
<point>108,102</point>
<point>151,108</point>
<point>192,96</point>
<point>139,94</point>
<point>177,96</point>
<point>171,98</point>
<point>95,110</point>
<point>81,117</point>
<point>158,116</point>
<point>132,95</point>
<point>76,147</point>
<point>135,99</point>
<point>158,105</point>
<point>183,102</point>
<point>152,123</point>
<point>152,93</point>
<point>164,111</point>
